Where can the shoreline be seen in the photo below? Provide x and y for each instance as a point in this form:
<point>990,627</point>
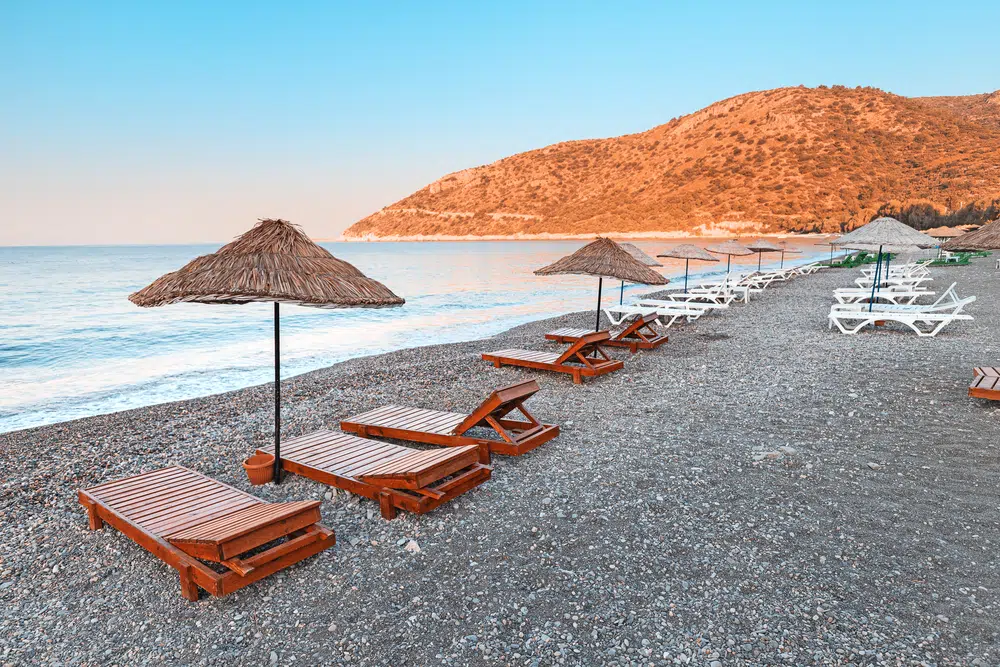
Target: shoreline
<point>658,516</point>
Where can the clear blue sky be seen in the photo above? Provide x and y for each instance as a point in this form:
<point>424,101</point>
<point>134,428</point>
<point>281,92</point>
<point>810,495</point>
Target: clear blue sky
<point>185,121</point>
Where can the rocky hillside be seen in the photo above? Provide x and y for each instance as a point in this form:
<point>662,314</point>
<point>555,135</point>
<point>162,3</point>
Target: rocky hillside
<point>790,159</point>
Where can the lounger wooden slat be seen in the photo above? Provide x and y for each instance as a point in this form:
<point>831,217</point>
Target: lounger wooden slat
<point>183,518</point>
<point>452,429</point>
<point>585,357</point>
<point>985,383</point>
<point>639,335</point>
<point>397,477</point>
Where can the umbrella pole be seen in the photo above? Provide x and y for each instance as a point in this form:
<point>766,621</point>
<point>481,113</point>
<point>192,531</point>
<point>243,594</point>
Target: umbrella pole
<point>600,284</point>
<point>621,296</point>
<point>782,265</point>
<point>759,256</point>
<point>686,262</point>
<point>875,279</point>
<point>277,396</point>
<point>729,260</point>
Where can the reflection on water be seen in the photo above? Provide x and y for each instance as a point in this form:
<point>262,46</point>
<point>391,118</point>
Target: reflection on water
<point>72,345</point>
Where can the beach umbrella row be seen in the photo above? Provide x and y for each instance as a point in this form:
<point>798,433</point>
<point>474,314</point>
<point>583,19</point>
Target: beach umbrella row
<point>273,262</point>
<point>986,237</point>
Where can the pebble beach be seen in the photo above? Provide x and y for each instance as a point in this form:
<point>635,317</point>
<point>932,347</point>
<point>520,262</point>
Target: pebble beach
<point>760,490</point>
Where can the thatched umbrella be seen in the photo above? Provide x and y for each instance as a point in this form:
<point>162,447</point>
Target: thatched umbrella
<point>882,233</point>
<point>639,256</point>
<point>605,259</point>
<point>984,238</point>
<point>944,232</point>
<point>729,248</point>
<point>273,262</point>
<point>687,252</point>
<point>791,251</point>
<point>760,246</point>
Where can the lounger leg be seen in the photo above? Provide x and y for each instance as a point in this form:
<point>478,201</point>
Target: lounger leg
<point>577,378</point>
<point>496,364</point>
<point>385,504</point>
<point>484,453</point>
<point>189,589</point>
<point>96,522</point>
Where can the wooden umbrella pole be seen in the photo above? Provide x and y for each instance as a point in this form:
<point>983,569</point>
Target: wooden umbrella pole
<point>600,284</point>
<point>277,396</point>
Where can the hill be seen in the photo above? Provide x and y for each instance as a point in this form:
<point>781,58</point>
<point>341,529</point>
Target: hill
<point>784,160</point>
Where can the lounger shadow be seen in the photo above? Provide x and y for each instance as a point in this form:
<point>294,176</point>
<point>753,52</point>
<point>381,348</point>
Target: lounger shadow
<point>183,518</point>
<point>452,429</point>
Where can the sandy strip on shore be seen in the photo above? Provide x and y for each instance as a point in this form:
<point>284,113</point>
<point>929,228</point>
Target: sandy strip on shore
<point>647,531</point>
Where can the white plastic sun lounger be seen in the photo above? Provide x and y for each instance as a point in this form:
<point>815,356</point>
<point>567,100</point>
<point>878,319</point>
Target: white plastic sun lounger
<point>898,281</point>
<point>709,304</point>
<point>949,301</point>
<point>895,294</point>
<point>665,316</point>
<point>851,322</point>
<point>809,269</point>
<point>851,318</point>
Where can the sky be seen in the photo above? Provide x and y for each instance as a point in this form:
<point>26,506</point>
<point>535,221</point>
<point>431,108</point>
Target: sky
<point>178,122</point>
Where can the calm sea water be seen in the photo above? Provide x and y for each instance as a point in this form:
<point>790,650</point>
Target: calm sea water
<point>72,345</point>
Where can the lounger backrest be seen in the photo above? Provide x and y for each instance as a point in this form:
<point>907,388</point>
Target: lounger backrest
<point>638,324</point>
<point>500,402</point>
<point>583,344</point>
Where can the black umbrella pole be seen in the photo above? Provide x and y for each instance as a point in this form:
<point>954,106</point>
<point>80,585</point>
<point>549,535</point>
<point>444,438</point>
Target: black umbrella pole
<point>600,284</point>
<point>621,295</point>
<point>875,278</point>
<point>686,262</point>
<point>277,396</point>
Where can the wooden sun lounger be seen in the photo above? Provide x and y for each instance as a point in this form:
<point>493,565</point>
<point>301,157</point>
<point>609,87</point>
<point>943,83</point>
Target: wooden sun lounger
<point>397,477</point>
<point>453,429</point>
<point>584,358</point>
<point>183,517</point>
<point>639,335</point>
<point>985,383</point>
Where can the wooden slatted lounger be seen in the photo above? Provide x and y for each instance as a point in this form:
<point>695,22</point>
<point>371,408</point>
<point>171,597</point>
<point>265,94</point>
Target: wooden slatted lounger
<point>181,516</point>
<point>985,383</point>
<point>640,335</point>
<point>584,358</point>
<point>453,429</point>
<point>397,477</point>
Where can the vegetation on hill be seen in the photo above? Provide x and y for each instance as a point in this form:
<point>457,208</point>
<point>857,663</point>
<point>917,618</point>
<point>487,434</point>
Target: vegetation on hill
<point>783,160</point>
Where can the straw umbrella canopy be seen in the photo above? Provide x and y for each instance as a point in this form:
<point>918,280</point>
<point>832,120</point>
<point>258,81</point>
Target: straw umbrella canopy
<point>687,252</point>
<point>729,248</point>
<point>885,232</point>
<point>984,238</point>
<point>944,232</point>
<point>603,258</point>
<point>640,256</point>
<point>273,262</point>
<point>760,246</point>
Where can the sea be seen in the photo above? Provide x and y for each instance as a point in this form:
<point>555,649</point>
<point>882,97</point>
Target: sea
<point>72,345</point>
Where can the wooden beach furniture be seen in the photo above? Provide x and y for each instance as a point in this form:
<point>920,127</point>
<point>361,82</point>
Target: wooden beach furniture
<point>584,358</point>
<point>183,518</point>
<point>453,429</point>
<point>985,383</point>
<point>639,335</point>
<point>397,477</point>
